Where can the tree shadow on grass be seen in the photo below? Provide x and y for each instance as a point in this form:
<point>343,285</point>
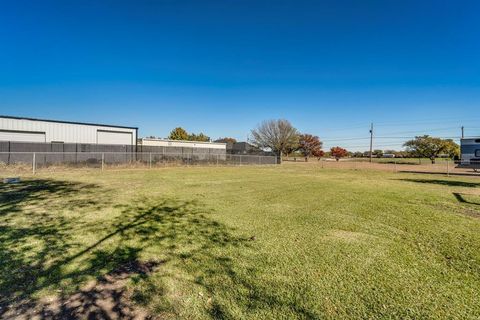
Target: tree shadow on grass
<point>46,253</point>
<point>199,245</point>
<point>461,174</point>
<point>50,194</point>
<point>450,183</point>
<point>178,229</point>
<point>462,197</point>
<point>34,233</point>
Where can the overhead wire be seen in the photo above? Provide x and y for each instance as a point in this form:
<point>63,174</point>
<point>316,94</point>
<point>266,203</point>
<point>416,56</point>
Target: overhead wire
<point>396,135</point>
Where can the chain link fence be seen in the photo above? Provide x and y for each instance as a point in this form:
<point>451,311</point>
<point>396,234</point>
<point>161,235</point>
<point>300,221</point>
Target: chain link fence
<point>39,160</point>
<point>411,165</point>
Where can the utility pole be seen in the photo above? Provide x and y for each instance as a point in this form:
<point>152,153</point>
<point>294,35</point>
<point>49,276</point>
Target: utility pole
<point>371,141</point>
<point>463,129</point>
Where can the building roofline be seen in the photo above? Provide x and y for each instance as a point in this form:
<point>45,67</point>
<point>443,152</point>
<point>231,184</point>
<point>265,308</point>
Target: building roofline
<point>188,141</point>
<point>69,122</point>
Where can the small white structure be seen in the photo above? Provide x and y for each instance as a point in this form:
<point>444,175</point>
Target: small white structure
<point>16,129</point>
<point>152,142</point>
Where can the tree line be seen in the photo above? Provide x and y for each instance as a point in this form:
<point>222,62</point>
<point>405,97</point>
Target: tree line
<point>180,133</point>
<point>282,138</point>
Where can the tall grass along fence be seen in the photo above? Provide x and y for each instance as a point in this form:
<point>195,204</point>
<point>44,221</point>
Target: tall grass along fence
<point>102,160</point>
<point>441,166</point>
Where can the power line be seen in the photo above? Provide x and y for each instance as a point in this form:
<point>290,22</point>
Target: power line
<point>426,121</point>
<point>416,131</point>
<point>394,136</point>
<point>428,130</point>
<point>344,139</point>
<point>383,137</point>
<point>359,125</point>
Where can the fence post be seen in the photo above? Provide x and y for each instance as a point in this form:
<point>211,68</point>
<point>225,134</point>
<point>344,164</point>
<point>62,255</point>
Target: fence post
<point>321,161</point>
<point>395,164</point>
<point>33,163</point>
<point>9,153</point>
<point>103,160</point>
<point>240,159</point>
<point>150,160</point>
<point>259,160</point>
<point>217,159</point>
<point>448,167</point>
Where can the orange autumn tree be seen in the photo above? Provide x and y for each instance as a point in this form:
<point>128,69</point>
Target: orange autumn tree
<point>338,153</point>
<point>309,145</point>
<point>318,153</point>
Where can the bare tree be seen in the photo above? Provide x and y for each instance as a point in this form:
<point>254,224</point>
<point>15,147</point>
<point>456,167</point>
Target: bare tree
<point>277,135</point>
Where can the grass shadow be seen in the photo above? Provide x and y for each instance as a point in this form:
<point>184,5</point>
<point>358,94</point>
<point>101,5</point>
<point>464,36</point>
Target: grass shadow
<point>179,230</point>
<point>34,234</point>
<point>461,198</point>
<point>450,183</point>
<point>48,193</point>
<point>464,174</point>
<point>48,251</point>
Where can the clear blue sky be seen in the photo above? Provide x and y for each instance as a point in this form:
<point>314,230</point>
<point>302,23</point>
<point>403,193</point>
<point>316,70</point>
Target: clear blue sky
<point>221,67</point>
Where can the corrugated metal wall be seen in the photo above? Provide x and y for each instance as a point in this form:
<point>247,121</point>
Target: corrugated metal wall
<point>66,132</point>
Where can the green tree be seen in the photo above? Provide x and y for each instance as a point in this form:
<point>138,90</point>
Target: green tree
<point>226,140</point>
<point>431,147</point>
<point>378,153</point>
<point>178,134</point>
<point>199,137</point>
<point>451,148</point>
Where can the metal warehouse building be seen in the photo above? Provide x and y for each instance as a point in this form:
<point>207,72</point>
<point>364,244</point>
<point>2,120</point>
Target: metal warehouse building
<point>43,143</point>
<point>16,129</point>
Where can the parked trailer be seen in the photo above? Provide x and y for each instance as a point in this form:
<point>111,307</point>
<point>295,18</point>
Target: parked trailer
<point>470,153</point>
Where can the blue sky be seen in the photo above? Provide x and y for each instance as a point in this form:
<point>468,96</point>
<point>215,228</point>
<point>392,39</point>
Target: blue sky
<point>221,67</point>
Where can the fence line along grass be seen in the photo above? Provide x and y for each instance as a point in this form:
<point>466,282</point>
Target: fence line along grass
<point>279,242</point>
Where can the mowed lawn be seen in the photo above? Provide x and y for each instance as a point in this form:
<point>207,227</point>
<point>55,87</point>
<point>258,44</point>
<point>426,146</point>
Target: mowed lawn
<point>287,242</point>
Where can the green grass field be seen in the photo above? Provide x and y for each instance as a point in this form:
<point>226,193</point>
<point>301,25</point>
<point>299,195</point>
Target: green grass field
<point>288,242</point>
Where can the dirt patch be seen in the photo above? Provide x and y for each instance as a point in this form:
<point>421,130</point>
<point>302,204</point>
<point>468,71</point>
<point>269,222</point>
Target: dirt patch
<point>105,298</point>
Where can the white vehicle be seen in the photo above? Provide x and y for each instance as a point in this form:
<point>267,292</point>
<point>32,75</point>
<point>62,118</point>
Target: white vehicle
<point>470,153</point>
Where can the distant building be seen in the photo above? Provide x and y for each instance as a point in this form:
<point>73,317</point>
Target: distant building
<point>242,148</point>
<point>17,129</point>
<point>166,145</point>
<point>470,152</point>
<point>246,148</point>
